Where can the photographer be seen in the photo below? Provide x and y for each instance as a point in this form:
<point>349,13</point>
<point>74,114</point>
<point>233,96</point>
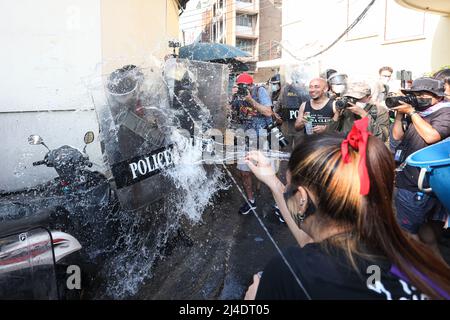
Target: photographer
<point>355,105</point>
<point>428,122</point>
<point>253,107</point>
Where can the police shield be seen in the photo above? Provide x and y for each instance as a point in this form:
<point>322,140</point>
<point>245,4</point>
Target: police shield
<point>139,109</point>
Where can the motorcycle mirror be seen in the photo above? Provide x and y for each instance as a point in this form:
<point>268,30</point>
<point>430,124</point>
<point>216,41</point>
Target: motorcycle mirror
<point>34,139</point>
<point>88,137</point>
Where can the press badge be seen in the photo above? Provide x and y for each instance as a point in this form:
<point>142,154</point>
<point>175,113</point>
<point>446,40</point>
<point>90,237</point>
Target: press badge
<point>398,155</point>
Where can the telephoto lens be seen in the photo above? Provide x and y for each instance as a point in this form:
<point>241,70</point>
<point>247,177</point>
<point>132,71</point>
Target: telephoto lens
<point>392,102</point>
<point>273,129</point>
<point>417,103</point>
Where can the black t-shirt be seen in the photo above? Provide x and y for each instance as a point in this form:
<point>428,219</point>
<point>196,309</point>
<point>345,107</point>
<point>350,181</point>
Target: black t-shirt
<point>412,141</point>
<point>320,117</point>
<point>326,273</point>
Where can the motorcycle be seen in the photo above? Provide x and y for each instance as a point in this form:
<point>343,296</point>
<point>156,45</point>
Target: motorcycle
<point>46,229</point>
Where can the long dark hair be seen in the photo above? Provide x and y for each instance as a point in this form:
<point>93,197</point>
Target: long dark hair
<point>316,164</point>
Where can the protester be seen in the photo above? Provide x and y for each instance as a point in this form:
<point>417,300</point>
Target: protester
<point>338,205</point>
<point>427,124</point>
<point>254,108</point>
<point>318,111</point>
<point>360,106</point>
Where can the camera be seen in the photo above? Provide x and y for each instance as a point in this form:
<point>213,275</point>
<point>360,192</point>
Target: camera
<point>344,102</point>
<point>417,103</point>
<point>174,44</point>
<point>243,90</point>
<point>273,129</point>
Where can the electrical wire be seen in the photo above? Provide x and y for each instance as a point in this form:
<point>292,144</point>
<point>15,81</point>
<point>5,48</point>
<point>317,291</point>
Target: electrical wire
<point>347,30</point>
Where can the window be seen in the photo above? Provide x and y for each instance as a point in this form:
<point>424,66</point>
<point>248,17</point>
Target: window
<point>368,26</point>
<point>244,20</point>
<point>246,45</point>
<point>402,24</point>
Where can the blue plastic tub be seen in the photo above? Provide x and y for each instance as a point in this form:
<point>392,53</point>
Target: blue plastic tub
<point>434,162</point>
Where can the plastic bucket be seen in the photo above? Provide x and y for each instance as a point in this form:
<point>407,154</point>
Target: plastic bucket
<point>434,162</point>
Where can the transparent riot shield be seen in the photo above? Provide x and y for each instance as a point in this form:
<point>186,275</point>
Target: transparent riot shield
<point>27,266</point>
<point>139,109</point>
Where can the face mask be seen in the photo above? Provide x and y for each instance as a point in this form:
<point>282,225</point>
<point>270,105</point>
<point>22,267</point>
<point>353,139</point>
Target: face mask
<point>423,103</point>
<point>338,88</point>
<point>362,105</point>
<point>384,80</point>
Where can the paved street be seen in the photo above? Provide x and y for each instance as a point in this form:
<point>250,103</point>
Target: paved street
<point>228,248</point>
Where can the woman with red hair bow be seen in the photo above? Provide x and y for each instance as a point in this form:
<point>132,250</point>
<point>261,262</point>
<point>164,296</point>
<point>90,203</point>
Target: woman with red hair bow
<point>338,205</point>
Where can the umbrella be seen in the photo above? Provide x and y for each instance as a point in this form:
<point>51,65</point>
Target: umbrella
<point>211,51</point>
<point>235,65</point>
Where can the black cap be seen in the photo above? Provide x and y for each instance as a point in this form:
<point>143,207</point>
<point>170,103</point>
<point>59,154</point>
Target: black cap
<point>275,78</point>
<point>431,85</point>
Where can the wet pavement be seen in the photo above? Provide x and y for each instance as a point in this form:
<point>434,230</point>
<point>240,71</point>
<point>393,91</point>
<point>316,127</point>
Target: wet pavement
<point>227,248</point>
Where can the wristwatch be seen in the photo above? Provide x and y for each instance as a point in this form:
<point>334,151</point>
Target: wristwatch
<point>412,113</point>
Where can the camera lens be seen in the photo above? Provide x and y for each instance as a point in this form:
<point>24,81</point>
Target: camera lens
<point>342,103</point>
<point>273,129</point>
<point>392,102</point>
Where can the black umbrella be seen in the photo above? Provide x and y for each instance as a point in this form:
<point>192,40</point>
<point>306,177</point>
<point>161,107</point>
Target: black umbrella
<point>215,52</point>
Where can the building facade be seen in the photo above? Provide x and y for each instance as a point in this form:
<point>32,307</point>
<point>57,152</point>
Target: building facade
<point>253,26</point>
<point>389,34</point>
<point>236,23</point>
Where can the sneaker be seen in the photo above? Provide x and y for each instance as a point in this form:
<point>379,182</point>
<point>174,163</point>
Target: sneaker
<point>245,208</point>
<point>277,212</point>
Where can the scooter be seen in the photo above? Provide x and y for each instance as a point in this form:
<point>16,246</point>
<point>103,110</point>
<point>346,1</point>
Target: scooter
<point>41,228</point>
<point>34,260</point>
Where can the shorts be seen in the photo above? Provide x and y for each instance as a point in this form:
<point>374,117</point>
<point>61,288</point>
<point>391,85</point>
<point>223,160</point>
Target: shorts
<point>412,213</point>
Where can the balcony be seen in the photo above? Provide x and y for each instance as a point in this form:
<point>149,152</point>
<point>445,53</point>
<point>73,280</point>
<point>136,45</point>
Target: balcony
<point>247,7</point>
<point>246,32</point>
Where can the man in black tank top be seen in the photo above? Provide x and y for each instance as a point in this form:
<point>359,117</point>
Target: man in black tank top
<point>315,114</point>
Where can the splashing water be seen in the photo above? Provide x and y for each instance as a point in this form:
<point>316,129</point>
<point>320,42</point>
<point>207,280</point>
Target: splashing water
<point>189,176</point>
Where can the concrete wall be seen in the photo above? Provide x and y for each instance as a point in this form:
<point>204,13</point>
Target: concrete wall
<point>365,49</point>
<point>51,49</point>
<point>134,29</point>
<point>48,48</point>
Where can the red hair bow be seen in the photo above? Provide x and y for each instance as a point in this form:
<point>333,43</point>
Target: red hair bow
<point>357,138</point>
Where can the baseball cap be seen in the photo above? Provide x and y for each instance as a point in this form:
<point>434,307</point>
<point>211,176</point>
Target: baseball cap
<point>358,90</point>
<point>244,78</point>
